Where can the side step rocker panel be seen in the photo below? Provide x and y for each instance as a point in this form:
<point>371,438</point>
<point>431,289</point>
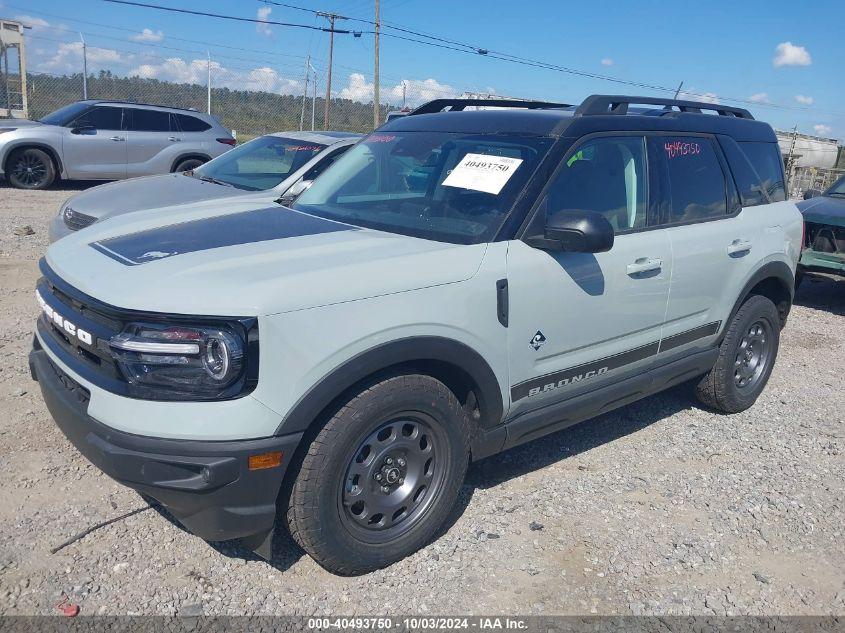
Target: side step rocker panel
<point>560,415</point>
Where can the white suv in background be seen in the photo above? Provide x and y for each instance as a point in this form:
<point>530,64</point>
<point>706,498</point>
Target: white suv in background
<point>107,140</point>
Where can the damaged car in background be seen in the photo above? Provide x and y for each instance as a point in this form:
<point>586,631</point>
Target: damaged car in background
<point>824,231</point>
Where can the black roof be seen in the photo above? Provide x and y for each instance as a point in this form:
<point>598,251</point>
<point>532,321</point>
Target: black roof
<point>597,113</point>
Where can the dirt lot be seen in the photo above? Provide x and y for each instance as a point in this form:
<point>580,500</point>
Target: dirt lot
<point>661,507</point>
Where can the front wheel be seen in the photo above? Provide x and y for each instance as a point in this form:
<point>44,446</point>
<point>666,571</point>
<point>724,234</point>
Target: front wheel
<point>382,476</point>
<point>30,168</point>
<point>746,358</point>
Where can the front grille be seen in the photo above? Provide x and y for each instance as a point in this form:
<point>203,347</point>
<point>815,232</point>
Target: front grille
<point>90,358</point>
<point>74,220</point>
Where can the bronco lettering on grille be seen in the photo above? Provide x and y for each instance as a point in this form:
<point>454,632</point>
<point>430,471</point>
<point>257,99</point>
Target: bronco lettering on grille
<point>62,323</point>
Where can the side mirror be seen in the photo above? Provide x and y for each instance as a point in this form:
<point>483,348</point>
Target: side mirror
<point>575,232</point>
<point>295,190</point>
<point>811,193</point>
<point>83,129</point>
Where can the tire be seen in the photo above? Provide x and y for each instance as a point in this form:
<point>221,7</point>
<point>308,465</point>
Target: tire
<point>188,163</point>
<point>335,502</point>
<point>30,168</point>
<point>746,358</point>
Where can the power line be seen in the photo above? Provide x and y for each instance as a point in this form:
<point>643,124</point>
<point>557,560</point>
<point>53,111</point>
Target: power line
<point>227,17</point>
<point>461,47</point>
<point>450,44</point>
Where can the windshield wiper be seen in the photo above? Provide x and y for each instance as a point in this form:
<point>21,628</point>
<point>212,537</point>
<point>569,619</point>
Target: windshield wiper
<point>215,181</point>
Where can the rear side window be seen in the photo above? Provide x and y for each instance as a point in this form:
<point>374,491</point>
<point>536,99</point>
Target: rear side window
<point>149,120</point>
<point>696,179</point>
<point>188,123</point>
<point>100,118</point>
<point>766,161</point>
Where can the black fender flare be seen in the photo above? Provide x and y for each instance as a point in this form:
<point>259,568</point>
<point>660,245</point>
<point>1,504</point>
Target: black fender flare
<point>777,270</point>
<point>396,353</point>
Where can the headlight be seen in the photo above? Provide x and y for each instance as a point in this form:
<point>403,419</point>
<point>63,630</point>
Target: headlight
<point>182,362</point>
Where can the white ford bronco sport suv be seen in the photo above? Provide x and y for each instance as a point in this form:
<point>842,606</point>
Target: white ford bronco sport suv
<point>458,283</point>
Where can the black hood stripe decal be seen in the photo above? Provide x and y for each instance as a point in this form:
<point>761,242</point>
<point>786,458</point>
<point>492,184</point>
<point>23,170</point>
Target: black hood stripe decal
<point>248,227</point>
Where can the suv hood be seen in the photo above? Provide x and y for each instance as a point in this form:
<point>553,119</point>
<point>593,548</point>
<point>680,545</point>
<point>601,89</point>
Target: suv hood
<point>148,192</point>
<point>248,261</point>
<point>18,123</point>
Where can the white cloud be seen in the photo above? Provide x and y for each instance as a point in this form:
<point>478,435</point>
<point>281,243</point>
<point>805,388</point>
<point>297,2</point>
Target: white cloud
<point>416,90</point>
<point>195,71</point>
<point>760,97</point>
<point>262,14</point>
<point>804,99</point>
<point>607,62</point>
<point>148,35</point>
<point>822,130</point>
<point>695,95</point>
<point>788,54</point>
<point>37,24</point>
<point>68,58</point>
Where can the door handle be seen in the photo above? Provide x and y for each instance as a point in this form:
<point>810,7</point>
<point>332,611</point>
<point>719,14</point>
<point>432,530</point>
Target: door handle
<point>644,265</point>
<point>173,139</point>
<point>116,138</point>
<point>739,246</point>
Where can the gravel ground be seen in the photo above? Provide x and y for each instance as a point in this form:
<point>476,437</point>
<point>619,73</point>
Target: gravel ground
<point>661,507</point>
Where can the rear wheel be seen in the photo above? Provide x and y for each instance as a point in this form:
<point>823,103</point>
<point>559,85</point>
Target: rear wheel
<point>188,163</point>
<point>381,477</point>
<point>30,168</point>
<point>746,358</point>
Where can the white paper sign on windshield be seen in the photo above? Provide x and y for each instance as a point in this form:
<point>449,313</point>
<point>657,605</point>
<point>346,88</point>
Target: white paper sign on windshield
<point>481,172</point>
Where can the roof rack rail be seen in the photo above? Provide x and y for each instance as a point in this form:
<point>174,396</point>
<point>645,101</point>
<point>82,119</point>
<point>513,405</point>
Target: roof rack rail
<point>618,104</point>
<point>142,103</point>
<point>455,105</point>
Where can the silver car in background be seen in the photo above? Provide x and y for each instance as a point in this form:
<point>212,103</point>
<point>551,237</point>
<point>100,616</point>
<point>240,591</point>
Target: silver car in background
<point>272,168</point>
<point>107,140</point>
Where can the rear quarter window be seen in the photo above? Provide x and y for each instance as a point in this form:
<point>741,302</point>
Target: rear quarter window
<point>188,123</point>
<point>768,167</point>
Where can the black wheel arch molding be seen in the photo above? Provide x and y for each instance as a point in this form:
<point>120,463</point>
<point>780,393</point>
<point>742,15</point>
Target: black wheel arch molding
<point>775,280</point>
<point>459,366</point>
<point>22,144</point>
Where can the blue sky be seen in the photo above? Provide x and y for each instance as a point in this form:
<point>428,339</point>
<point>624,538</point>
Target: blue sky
<point>784,56</point>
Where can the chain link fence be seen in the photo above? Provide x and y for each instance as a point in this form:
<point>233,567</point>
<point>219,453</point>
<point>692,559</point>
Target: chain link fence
<point>803,178</point>
<point>248,111</point>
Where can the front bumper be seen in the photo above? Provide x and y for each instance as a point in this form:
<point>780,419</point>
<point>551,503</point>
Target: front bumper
<point>206,486</point>
<point>816,261</point>
<point>57,229</point>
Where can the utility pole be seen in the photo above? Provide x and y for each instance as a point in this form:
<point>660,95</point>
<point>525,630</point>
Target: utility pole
<point>789,159</point>
<point>208,66</point>
<point>375,72</point>
<point>84,68</point>
<point>331,17</point>
<point>678,91</point>
<point>313,97</point>
<point>305,94</point>
<point>404,93</point>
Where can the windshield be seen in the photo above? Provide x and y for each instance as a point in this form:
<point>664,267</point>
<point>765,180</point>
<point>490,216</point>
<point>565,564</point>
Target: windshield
<point>260,164</point>
<point>837,188</point>
<point>65,114</point>
<point>451,187</point>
